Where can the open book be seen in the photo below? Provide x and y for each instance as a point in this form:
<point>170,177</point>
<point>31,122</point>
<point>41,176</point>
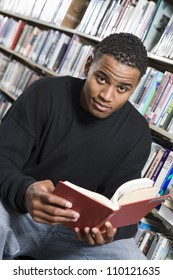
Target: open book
<point>131,202</point>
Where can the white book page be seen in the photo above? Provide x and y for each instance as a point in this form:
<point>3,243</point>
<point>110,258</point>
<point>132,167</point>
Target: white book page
<point>131,186</point>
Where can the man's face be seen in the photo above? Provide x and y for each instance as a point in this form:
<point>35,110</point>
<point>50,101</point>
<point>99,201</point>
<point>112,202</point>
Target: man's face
<point>108,86</point>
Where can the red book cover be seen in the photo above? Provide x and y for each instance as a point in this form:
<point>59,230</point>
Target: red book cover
<point>91,212</point>
<point>96,209</point>
<point>17,34</point>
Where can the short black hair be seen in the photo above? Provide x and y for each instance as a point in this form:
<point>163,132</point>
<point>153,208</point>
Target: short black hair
<point>126,48</point>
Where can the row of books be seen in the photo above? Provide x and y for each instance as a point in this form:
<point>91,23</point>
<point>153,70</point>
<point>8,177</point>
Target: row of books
<point>10,30</point>
<point>164,47</point>
<point>145,18</point>
<point>158,24</point>
<point>152,237</point>
<point>101,17</point>
<point>5,104</point>
<point>159,168</point>
<point>64,55</point>
<point>155,244</point>
<point>116,16</point>
<point>15,76</point>
<point>60,12</point>
<point>50,48</point>
<point>153,98</point>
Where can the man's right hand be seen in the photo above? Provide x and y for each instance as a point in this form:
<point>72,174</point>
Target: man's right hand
<point>45,207</point>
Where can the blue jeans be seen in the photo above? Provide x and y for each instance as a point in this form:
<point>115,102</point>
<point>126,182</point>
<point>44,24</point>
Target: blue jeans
<point>20,235</point>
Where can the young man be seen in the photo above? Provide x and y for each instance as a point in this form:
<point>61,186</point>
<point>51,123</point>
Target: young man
<point>84,131</point>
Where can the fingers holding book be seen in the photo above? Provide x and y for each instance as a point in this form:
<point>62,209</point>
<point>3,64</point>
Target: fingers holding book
<point>95,236</point>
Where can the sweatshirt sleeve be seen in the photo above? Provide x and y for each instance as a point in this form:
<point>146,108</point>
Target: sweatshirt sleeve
<point>15,147</point>
<point>20,133</point>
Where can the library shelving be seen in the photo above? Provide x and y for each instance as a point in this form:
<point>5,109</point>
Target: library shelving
<point>45,38</point>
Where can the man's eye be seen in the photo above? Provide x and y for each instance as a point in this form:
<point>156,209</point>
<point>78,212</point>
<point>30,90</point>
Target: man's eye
<point>122,89</point>
<point>101,79</point>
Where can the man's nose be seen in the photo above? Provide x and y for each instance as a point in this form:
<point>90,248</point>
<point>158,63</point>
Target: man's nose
<point>107,94</point>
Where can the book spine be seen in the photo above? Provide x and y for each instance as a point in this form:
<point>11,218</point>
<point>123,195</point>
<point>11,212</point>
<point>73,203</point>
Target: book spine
<point>160,19</point>
<point>144,241</point>
<point>150,92</point>
<point>153,246</point>
<point>167,116</point>
<point>165,169</point>
<point>148,242</point>
<point>101,14</point>
<point>26,40</point>
<point>164,187</point>
<point>155,163</point>
<point>160,165</point>
<point>61,54</point>
<point>162,243</point>
<point>104,23</point>
<point>21,39</point>
<point>170,127</point>
<point>85,19</point>
<point>163,101</point>
<point>63,38</point>
<point>159,94</point>
<point>146,84</point>
<point>32,39</point>
<point>51,48</point>
<point>16,36</point>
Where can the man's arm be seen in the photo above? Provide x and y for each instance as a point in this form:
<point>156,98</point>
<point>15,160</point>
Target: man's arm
<point>45,207</point>
<point>15,148</point>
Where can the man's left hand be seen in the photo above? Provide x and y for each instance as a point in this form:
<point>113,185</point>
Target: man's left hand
<point>95,237</point>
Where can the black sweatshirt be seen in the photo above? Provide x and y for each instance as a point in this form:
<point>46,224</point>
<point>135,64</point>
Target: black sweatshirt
<point>46,134</point>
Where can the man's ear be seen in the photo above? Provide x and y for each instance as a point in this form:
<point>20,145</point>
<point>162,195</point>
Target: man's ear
<point>88,64</point>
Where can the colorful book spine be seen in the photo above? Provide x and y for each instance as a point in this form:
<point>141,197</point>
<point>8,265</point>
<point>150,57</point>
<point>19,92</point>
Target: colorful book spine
<point>160,165</point>
<point>150,92</point>
<point>164,187</point>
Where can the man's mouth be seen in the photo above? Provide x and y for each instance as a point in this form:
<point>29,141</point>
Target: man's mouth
<point>100,106</point>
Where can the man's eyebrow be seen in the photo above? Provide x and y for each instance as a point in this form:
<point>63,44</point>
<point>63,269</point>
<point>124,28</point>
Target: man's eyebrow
<point>126,84</point>
<point>103,74</point>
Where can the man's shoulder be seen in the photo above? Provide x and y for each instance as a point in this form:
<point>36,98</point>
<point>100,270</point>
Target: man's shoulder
<point>136,117</point>
<point>55,87</point>
<point>51,82</point>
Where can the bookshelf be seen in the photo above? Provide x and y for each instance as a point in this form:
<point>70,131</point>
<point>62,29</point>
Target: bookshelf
<point>166,135</point>
<point>158,62</point>
<point>88,36</point>
<point>167,225</point>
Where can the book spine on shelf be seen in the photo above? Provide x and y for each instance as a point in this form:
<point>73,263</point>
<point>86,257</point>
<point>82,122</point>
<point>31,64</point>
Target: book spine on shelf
<point>168,115</point>
<point>87,14</point>
<point>155,163</point>
<point>63,39</point>
<point>16,36</point>
<point>163,101</point>
<point>160,165</point>
<point>150,92</point>
<point>101,13</point>
<point>159,21</point>
<point>165,169</point>
<point>161,246</point>
<point>158,96</point>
